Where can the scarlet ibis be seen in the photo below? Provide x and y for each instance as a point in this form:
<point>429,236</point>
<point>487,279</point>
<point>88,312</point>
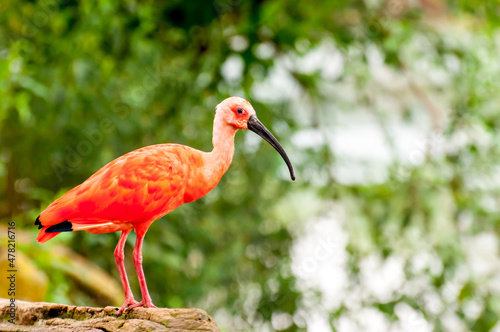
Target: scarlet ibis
<point>141,186</point>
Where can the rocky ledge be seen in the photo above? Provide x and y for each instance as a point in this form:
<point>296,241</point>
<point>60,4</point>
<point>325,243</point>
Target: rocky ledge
<point>43,316</point>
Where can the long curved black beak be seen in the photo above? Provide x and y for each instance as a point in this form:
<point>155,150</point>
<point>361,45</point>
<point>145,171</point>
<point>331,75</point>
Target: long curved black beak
<point>257,127</point>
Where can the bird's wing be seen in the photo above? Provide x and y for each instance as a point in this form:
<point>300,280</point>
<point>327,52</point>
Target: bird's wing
<point>143,184</point>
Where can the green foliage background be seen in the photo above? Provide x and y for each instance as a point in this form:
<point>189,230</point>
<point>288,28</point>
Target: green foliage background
<point>82,82</point>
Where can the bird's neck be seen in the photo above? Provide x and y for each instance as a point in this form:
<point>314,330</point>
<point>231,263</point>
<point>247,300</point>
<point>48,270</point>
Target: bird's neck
<point>222,154</point>
<point>216,162</point>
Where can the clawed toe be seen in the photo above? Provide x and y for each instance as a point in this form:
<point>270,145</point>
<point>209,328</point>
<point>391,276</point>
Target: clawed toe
<point>131,304</point>
<point>128,303</point>
<point>144,304</point>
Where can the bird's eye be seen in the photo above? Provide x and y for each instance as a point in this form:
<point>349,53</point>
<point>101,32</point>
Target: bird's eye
<point>239,110</point>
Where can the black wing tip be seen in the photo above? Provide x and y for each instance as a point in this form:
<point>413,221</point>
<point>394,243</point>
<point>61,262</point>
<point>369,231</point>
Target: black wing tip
<point>64,226</point>
<point>38,223</point>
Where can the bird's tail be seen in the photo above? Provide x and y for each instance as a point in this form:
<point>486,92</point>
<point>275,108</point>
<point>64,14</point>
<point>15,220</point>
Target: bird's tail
<point>44,236</point>
<point>48,232</point>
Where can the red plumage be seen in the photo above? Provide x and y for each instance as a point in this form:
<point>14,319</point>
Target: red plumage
<point>141,186</point>
<point>129,192</point>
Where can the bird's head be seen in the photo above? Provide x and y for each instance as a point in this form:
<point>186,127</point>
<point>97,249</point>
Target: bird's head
<point>235,111</point>
<point>239,113</point>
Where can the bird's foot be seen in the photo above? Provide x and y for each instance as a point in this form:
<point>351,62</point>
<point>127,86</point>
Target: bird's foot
<point>128,303</point>
<point>144,304</point>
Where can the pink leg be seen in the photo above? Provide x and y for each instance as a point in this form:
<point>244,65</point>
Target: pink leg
<point>120,258</point>
<point>146,299</point>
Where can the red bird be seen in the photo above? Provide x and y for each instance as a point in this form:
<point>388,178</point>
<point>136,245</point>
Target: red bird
<point>141,186</point>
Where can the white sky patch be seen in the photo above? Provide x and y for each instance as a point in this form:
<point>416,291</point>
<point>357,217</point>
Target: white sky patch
<point>318,322</point>
<point>451,322</point>
<point>359,137</point>
<point>381,73</point>
<point>365,319</point>
<point>281,321</point>
<point>319,257</point>
<point>232,68</point>
<point>238,43</point>
<point>372,320</point>
<point>365,152</point>
<point>482,254</point>
<point>309,139</point>
<point>382,278</point>
<point>278,86</point>
<point>252,142</point>
<point>264,50</point>
<point>410,320</point>
<point>325,59</point>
